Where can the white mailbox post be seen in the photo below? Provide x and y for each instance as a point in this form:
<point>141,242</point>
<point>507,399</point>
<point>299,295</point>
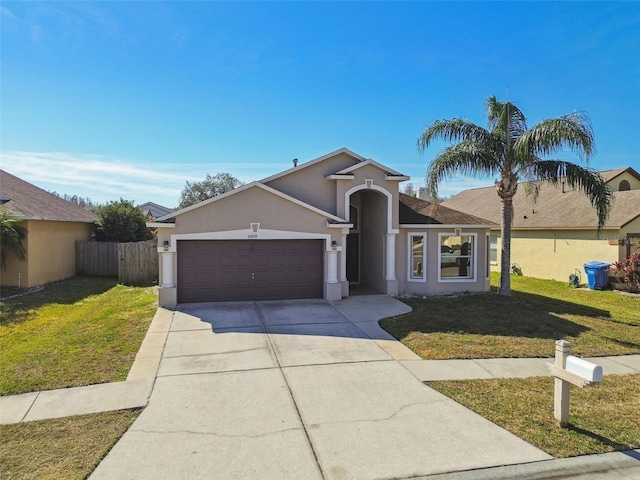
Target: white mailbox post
<point>569,370</point>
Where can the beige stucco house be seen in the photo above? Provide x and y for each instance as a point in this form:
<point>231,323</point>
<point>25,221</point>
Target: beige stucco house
<point>53,225</point>
<point>319,230</point>
<point>557,235</point>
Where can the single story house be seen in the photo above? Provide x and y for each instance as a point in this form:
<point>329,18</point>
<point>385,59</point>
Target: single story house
<point>557,235</point>
<point>53,225</point>
<point>318,230</point>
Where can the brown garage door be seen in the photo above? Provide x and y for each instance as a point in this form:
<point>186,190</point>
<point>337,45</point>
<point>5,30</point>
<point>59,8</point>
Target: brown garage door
<point>227,270</point>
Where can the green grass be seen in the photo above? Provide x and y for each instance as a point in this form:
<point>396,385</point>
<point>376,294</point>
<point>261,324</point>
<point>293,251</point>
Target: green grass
<point>602,418</point>
<point>79,331</point>
<point>63,448</point>
<point>526,324</point>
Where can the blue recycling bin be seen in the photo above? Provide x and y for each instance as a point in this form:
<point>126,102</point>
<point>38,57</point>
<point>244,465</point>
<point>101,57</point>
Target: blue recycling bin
<point>597,275</point>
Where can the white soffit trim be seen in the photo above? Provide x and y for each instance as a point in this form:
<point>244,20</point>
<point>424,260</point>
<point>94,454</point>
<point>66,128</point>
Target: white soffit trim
<point>399,178</point>
<point>339,225</point>
<point>160,225</point>
<point>340,177</point>
<point>360,158</point>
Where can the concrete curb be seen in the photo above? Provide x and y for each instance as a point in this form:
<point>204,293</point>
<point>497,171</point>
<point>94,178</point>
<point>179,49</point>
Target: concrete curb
<point>625,464</point>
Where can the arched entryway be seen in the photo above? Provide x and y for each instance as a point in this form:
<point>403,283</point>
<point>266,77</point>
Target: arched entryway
<point>370,244</point>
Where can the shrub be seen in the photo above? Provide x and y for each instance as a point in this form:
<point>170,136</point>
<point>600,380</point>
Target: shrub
<point>628,270</point>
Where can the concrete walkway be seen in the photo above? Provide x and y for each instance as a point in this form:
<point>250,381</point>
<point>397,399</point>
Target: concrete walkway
<point>301,390</point>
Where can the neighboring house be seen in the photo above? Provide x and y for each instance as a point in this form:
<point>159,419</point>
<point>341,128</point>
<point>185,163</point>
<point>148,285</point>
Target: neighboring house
<point>53,225</point>
<point>316,231</point>
<point>557,234</point>
<point>153,210</point>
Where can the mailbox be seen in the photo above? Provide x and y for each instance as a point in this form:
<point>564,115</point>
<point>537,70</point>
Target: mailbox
<point>587,370</point>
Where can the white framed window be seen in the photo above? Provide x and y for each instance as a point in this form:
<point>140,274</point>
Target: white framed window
<point>458,257</point>
<point>493,249</point>
<point>417,257</point>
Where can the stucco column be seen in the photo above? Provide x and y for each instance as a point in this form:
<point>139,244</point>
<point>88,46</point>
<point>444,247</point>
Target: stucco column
<point>391,257</point>
<point>343,260</point>
<point>332,266</point>
<point>167,270</point>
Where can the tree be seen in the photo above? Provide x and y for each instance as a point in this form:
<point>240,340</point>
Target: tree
<point>121,221</point>
<point>511,151</point>
<point>11,236</point>
<point>409,190</point>
<point>210,187</point>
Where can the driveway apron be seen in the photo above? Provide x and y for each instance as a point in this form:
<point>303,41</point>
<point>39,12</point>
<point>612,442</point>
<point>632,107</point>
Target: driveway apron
<point>295,390</point>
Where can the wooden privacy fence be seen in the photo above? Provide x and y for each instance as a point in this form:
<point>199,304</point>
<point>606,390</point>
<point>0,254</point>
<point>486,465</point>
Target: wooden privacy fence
<point>138,262</point>
<point>133,263</point>
<point>99,259</point>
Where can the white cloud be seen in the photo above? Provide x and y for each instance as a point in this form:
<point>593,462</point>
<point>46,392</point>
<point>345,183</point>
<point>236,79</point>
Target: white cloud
<point>105,178</point>
<point>100,178</point>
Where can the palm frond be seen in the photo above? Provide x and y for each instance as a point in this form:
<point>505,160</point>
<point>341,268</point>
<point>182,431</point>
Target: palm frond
<point>11,236</point>
<point>585,179</point>
<point>455,129</point>
<point>466,158</point>
<point>532,191</point>
<point>571,131</point>
<point>497,115</point>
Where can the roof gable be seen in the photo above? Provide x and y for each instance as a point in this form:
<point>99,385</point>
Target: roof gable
<point>28,202</point>
<point>238,191</point>
<point>610,175</point>
<point>313,162</point>
<point>387,170</point>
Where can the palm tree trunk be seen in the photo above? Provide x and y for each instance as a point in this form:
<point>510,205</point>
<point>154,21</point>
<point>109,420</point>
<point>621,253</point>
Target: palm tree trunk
<point>505,254</point>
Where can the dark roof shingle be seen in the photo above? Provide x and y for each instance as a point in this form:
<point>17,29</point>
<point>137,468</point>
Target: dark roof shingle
<point>415,211</point>
<point>28,202</point>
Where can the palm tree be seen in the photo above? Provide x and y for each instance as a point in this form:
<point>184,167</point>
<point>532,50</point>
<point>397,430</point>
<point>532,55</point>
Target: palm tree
<point>11,236</point>
<point>510,151</point>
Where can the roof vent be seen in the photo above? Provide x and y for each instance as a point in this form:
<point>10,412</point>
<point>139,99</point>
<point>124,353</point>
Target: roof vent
<point>295,162</point>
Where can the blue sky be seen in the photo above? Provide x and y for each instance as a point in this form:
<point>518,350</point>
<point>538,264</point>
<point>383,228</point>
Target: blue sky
<point>131,99</point>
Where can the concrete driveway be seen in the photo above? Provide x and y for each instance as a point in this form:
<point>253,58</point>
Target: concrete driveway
<point>297,389</point>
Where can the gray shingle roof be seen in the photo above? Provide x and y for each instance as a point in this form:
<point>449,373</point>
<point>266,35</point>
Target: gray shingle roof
<point>554,208</point>
<point>28,202</point>
<point>414,211</point>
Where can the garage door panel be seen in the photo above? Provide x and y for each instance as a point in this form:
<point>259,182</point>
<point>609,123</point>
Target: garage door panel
<point>222,270</point>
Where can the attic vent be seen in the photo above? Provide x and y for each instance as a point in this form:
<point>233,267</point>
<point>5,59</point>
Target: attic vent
<point>624,185</point>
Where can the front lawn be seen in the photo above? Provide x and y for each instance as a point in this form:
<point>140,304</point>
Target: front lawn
<point>596,323</point>
<point>602,418</point>
<point>68,448</point>
<point>79,331</point>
